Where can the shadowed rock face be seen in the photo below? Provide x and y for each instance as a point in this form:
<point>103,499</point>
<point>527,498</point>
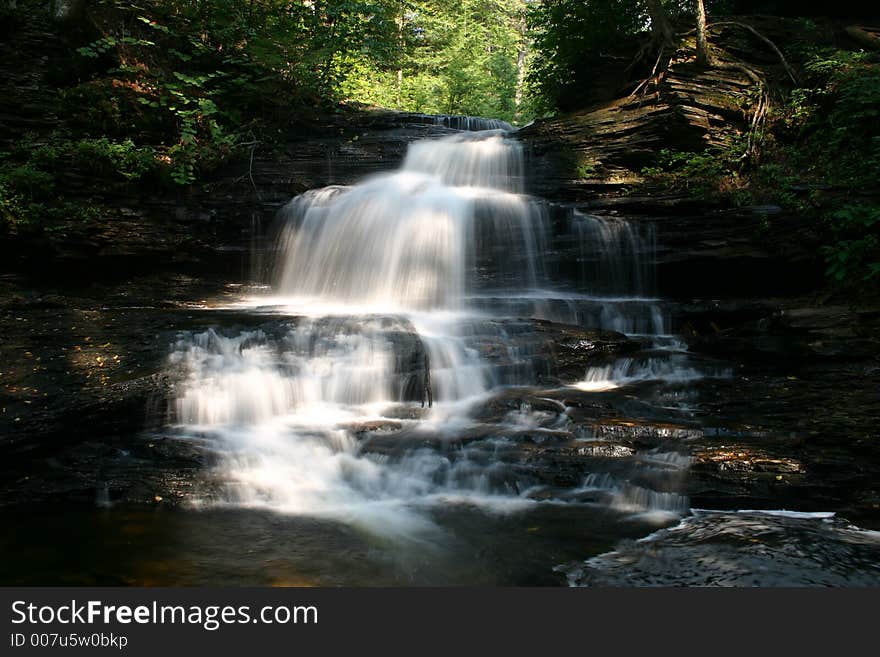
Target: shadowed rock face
<point>592,159</point>
<point>823,333</point>
<point>564,351</point>
<point>230,216</point>
<point>606,146</point>
<point>686,107</point>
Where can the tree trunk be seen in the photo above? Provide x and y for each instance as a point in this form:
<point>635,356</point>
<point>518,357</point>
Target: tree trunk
<point>865,38</point>
<point>401,48</point>
<point>520,67</point>
<point>661,28</point>
<point>520,77</point>
<point>704,57</point>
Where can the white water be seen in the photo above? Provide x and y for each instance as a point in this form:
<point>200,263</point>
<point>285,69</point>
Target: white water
<point>412,239</point>
<point>461,122</point>
<point>433,250</point>
<point>631,370</point>
<point>277,411</point>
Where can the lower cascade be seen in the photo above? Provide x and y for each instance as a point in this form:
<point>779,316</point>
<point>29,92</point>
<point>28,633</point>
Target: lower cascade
<point>390,370</point>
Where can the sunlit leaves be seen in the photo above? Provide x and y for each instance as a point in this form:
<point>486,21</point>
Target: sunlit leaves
<point>457,57</point>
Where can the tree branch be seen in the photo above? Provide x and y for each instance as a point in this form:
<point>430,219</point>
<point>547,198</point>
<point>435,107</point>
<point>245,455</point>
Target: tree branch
<point>768,42</point>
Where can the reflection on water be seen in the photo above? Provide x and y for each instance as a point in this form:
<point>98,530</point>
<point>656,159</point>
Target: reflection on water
<point>237,547</point>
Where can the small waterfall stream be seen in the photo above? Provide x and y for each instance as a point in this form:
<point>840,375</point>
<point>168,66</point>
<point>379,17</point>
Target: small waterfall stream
<point>392,311</point>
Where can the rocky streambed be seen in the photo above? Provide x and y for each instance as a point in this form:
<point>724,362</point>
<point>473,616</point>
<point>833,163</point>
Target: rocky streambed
<point>85,442</point>
<point>87,388</point>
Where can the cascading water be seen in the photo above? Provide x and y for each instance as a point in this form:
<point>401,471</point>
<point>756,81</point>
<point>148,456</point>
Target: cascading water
<point>616,264</point>
<point>394,290</point>
<point>462,122</point>
<point>415,239</point>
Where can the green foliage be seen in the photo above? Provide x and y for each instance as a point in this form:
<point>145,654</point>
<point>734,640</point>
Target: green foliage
<point>461,57</point>
<point>32,177</point>
<point>579,43</point>
<point>35,209</point>
<point>820,156</point>
<point>192,79</point>
<point>100,157</point>
<point>168,91</point>
<point>687,164</point>
<point>836,80</point>
<point>178,77</point>
<point>709,173</point>
<point>586,170</point>
<point>174,78</point>
<point>567,35</point>
<point>26,180</point>
<point>106,44</point>
<point>835,118</point>
<point>838,108</point>
<point>855,255</point>
<point>189,81</point>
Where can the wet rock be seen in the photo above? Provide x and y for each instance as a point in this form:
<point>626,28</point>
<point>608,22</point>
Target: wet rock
<point>739,549</point>
<point>606,450</point>
<point>562,352</point>
<point>794,332</point>
<point>370,427</point>
<point>644,433</point>
<point>400,443</point>
<point>406,412</point>
<point>542,437</point>
<point>725,459</point>
<point>500,407</point>
<point>117,469</point>
<point>113,408</point>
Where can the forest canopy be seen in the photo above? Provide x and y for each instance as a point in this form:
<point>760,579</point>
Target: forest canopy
<point>437,56</point>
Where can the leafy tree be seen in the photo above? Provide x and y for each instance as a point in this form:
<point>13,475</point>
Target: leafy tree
<point>454,57</point>
<point>577,42</point>
<point>571,39</point>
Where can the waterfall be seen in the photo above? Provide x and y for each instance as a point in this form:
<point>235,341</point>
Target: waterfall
<point>668,367</point>
<point>419,237</point>
<point>615,257</point>
<point>387,297</point>
<point>462,122</point>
